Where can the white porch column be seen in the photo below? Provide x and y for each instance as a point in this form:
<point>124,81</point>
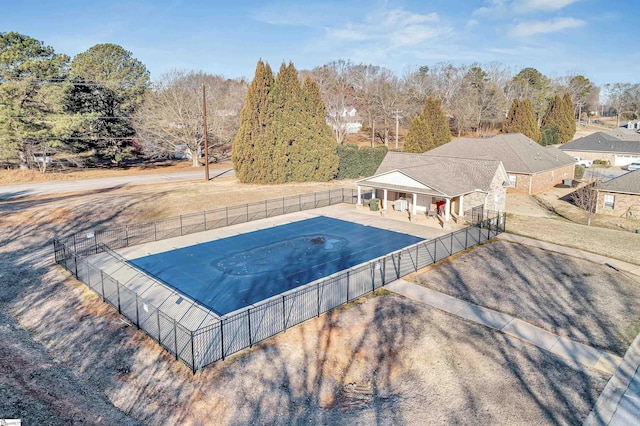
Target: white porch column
<point>461,206</point>
<point>384,199</point>
<point>359,196</point>
<point>447,209</point>
<point>415,201</point>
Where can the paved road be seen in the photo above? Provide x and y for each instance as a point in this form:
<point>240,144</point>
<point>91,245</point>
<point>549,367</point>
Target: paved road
<point>12,191</point>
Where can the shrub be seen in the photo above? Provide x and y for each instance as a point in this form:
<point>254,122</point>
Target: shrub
<point>578,172</point>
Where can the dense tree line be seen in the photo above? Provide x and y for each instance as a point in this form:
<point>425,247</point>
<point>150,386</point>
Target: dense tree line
<point>103,105</point>
<point>283,135</point>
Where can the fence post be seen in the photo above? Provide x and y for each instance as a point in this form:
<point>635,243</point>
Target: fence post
<point>95,240</point>
<point>118,289</point>
<point>284,315</point>
<point>226,215</point>
<point>175,337</point>
<point>318,294</point>
<point>126,235</point>
<point>466,238</point>
<point>480,233</point>
<point>417,261</point>
<point>102,282</point>
<point>451,244</point>
<point>75,248</point>
<point>373,276</point>
<point>398,269</point>
<point>159,333</point>
<point>222,338</point>
<point>435,250</point>
<point>348,282</point>
<point>137,313</point>
<point>193,355</point>
<point>75,263</point>
<point>282,205</point>
<point>249,320</point>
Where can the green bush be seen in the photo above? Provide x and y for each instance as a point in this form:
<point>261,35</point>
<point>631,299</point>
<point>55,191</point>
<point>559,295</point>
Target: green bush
<point>549,135</point>
<point>359,162</point>
<point>578,172</point>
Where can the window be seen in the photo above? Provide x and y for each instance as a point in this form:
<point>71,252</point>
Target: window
<point>609,201</point>
<point>512,180</point>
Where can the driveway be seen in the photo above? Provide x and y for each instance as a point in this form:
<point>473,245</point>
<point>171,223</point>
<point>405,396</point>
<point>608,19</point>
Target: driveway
<point>603,174</point>
<point>14,191</point>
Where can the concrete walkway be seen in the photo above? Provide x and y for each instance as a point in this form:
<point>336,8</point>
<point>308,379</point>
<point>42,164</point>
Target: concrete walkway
<point>559,346</point>
<point>569,251</point>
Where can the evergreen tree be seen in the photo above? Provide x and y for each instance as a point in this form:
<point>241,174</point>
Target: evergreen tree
<point>522,119</point>
<point>437,121</point>
<point>569,111</point>
<point>283,135</point>
<point>26,101</point>
<point>319,160</point>
<point>287,126</point>
<point>420,137</point>
<point>429,129</point>
<point>252,149</point>
<point>116,83</point>
<point>560,116</point>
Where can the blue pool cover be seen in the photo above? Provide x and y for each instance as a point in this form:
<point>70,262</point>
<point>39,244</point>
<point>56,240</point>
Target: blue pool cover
<point>238,271</point>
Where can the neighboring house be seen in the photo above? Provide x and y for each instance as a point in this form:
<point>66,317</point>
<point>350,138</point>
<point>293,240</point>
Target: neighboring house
<point>633,125</point>
<point>532,168</point>
<point>620,148</point>
<point>426,181</point>
<point>347,119</point>
<point>620,196</point>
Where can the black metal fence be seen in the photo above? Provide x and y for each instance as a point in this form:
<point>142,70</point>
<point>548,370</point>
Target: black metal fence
<point>223,336</point>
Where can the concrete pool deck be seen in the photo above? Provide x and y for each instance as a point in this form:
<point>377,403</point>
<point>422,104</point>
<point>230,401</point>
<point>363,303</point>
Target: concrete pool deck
<point>188,312</point>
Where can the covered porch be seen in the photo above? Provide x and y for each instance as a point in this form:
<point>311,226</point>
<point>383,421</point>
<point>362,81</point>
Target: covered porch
<point>414,203</point>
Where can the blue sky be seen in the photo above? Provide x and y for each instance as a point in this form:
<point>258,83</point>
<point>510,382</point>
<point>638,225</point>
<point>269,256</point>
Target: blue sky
<point>596,38</point>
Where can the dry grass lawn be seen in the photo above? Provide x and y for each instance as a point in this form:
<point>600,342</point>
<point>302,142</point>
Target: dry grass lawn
<point>382,360</point>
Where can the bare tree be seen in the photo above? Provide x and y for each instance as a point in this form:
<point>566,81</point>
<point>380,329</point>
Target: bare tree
<point>586,196</point>
<point>171,117</point>
<point>337,93</point>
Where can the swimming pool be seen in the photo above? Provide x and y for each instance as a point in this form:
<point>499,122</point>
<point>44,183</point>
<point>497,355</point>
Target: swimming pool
<point>231,273</point>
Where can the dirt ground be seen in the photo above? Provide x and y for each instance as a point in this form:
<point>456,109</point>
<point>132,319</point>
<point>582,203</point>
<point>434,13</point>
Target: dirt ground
<point>67,358</point>
<point>590,303</point>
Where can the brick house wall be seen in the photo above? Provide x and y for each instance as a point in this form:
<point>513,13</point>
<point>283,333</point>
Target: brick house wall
<point>623,205</point>
<point>539,182</point>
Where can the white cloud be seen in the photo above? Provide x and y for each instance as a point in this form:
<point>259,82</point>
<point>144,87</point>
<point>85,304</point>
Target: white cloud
<point>526,29</point>
<point>390,28</point>
<point>521,7</point>
<point>524,6</point>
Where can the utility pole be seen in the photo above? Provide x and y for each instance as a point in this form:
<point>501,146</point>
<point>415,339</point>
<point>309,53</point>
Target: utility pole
<point>206,144</point>
<point>396,112</point>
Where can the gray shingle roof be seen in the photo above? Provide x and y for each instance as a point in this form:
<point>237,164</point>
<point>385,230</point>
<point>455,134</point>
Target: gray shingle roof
<point>518,153</point>
<point>628,183</point>
<point>603,142</point>
<point>447,175</point>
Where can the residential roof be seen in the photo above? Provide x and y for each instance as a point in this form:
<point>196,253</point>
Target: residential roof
<point>448,176</point>
<point>603,142</point>
<point>518,153</point>
<point>628,183</point>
